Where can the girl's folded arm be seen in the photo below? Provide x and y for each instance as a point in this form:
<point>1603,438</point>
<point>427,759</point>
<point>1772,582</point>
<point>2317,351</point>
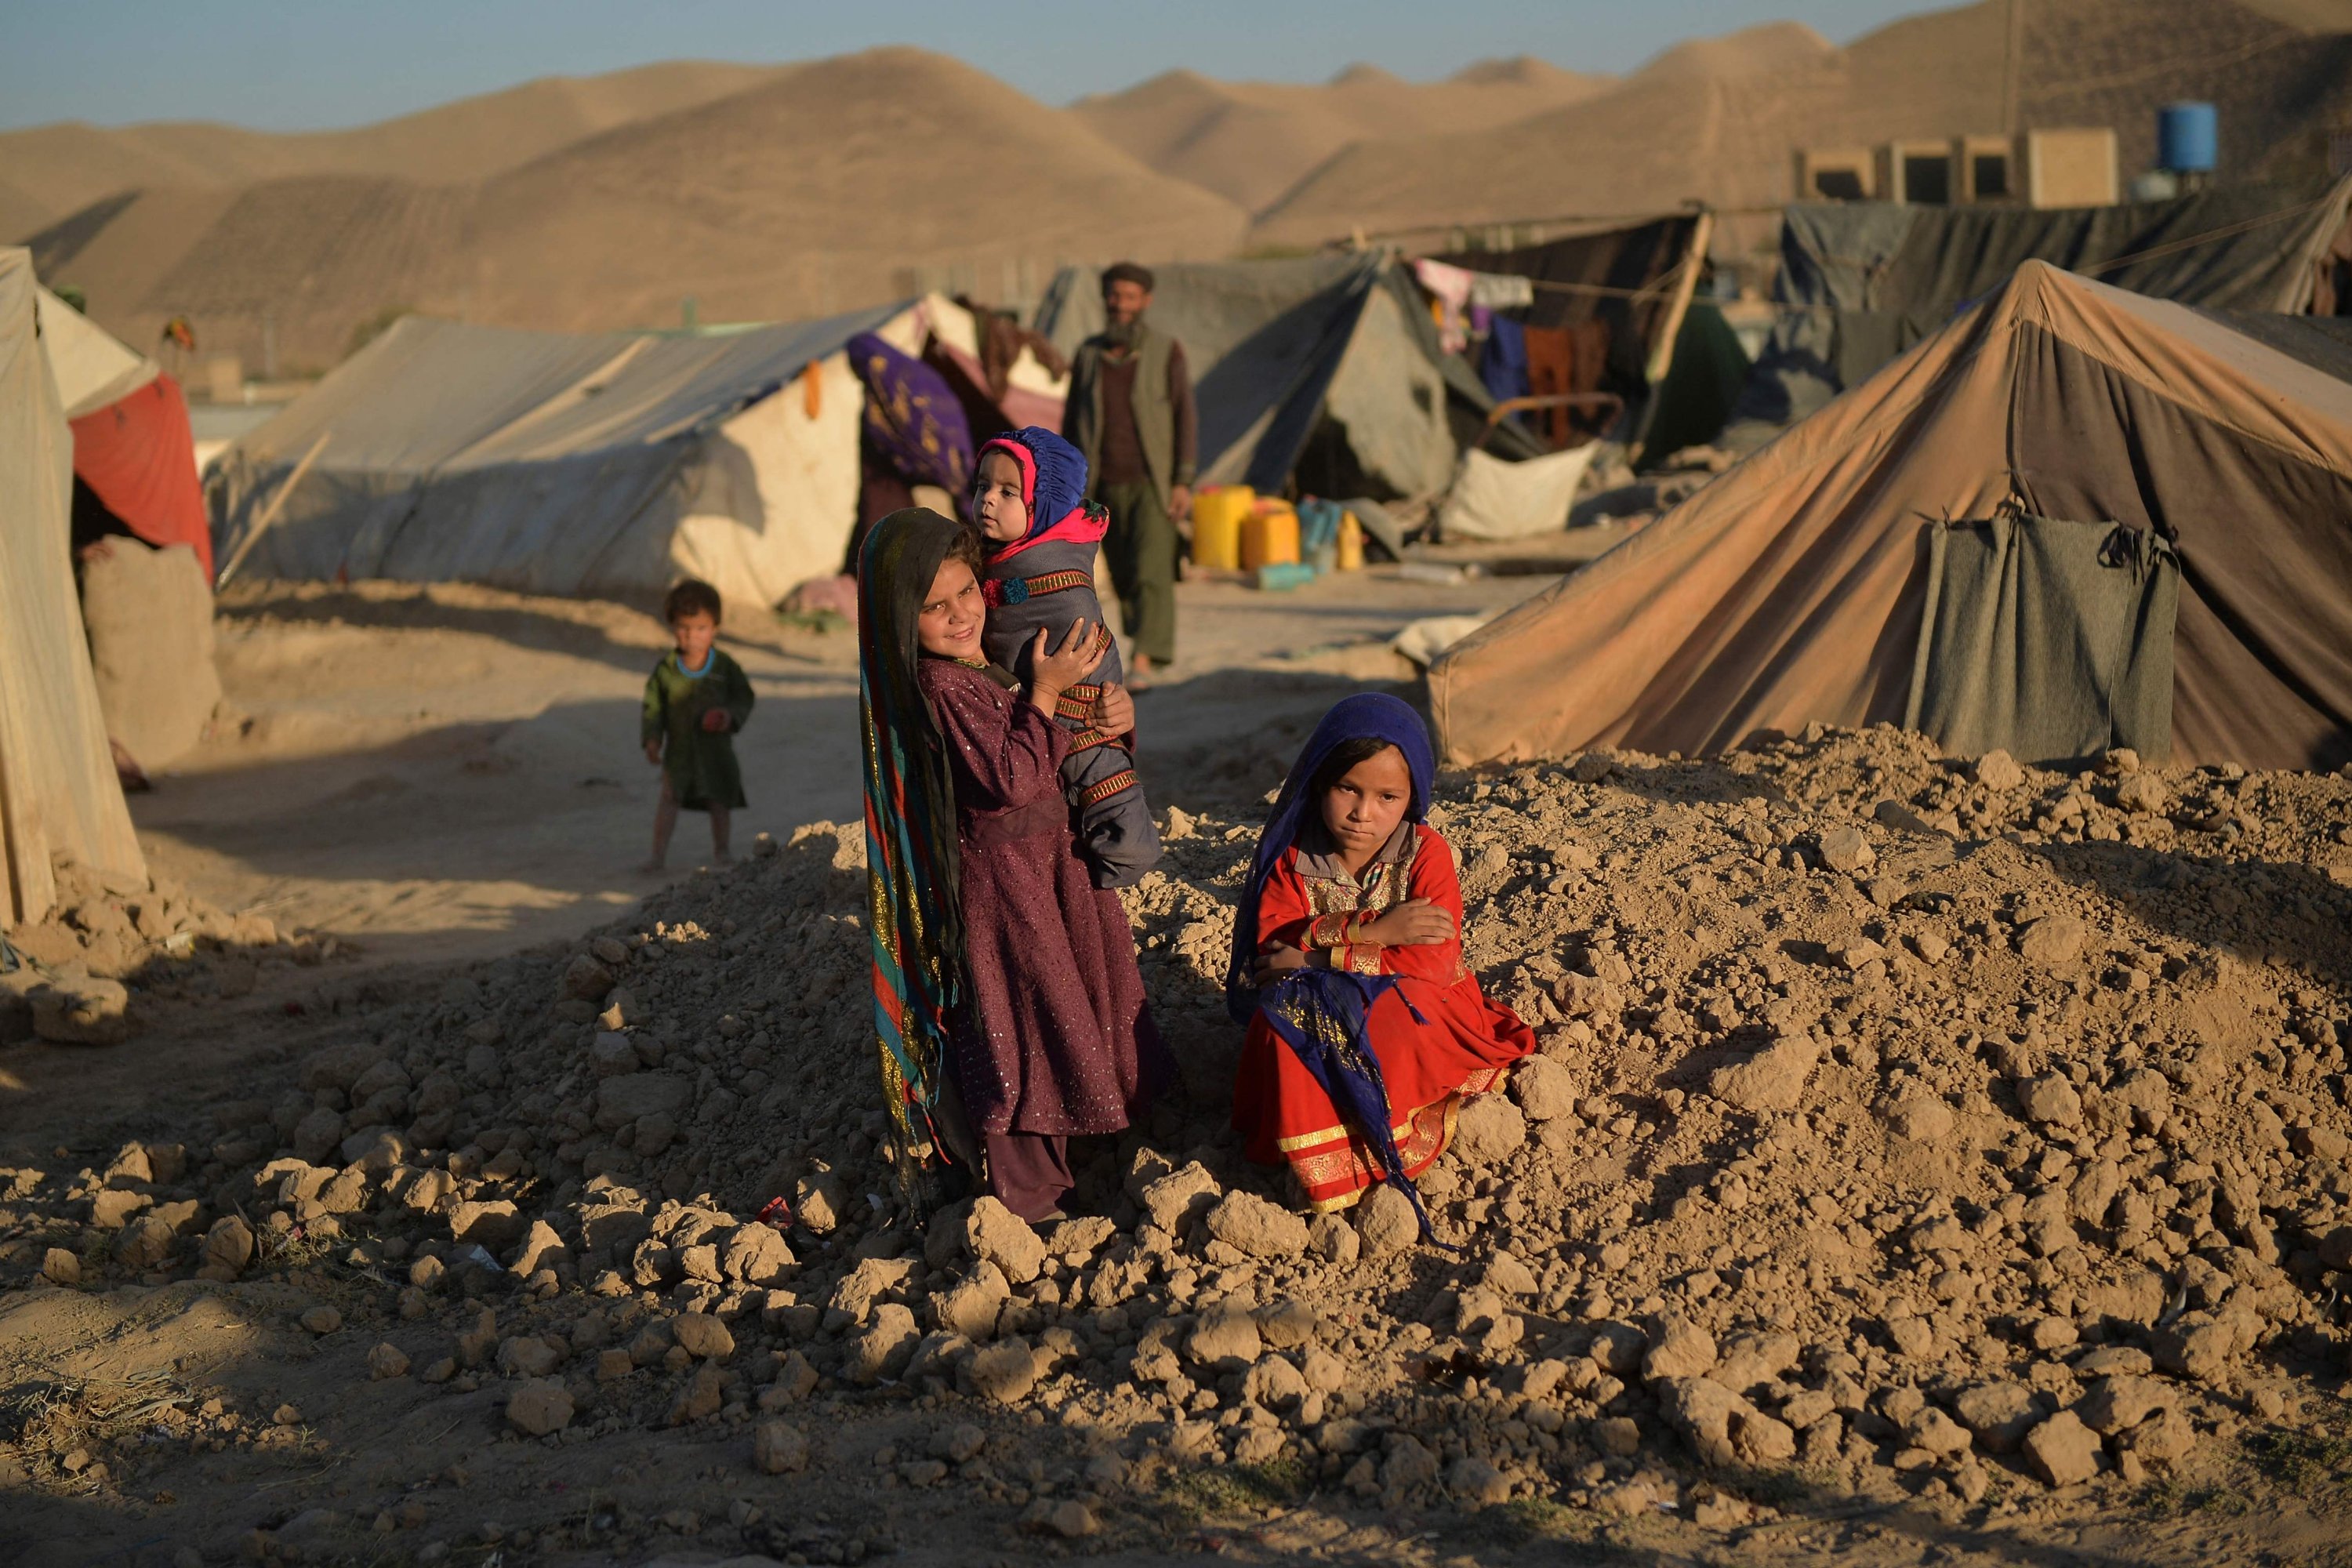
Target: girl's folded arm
<point>1007,746</point>
<point>1434,878</point>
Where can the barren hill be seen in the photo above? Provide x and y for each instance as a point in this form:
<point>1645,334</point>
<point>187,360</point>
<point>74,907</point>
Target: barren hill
<point>57,170</point>
<point>1251,141</point>
<point>1717,121</point>
<point>827,186</point>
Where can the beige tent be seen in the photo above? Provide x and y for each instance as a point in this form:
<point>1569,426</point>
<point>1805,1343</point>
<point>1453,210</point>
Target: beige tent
<point>58,794</point>
<point>1796,587</point>
<point>575,463</point>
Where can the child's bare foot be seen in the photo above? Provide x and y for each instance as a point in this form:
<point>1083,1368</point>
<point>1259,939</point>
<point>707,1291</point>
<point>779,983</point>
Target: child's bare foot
<point>720,862</point>
<point>652,868</point>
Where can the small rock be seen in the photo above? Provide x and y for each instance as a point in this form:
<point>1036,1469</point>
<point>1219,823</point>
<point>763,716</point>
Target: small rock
<point>228,1245</point>
<point>2052,940</point>
<point>820,1201</point>
<point>322,1319</point>
<point>1007,1371</point>
<point>2049,1099</point>
<point>1473,1480</point>
<point>702,1336</point>
<point>539,1407</point>
<point>1998,772</point>
<point>703,1396</point>
<point>1619,1436</point>
<point>1070,1520</point>
<point>1508,1275</point>
<point>1847,849</point>
<point>2141,793</point>
<point>1772,1079</point>
<point>145,1242</point>
<point>386,1361</point>
<point>528,1356</point>
<point>2114,1404</point>
<point>886,1347</point>
<point>1169,1199</point>
<point>1937,1433</point>
<point>1226,1339</point>
<point>1489,1129</point>
<point>995,1234</point>
<point>59,1267</point>
<point>1385,1221</point>
<point>1545,1088</point>
<point>587,978</point>
<point>2063,1451</point>
<point>82,1012</point>
<point>1260,1228</point>
<point>779,1448</point>
<point>2000,1413</point>
<point>958,1443</point>
<point>1681,1348</point>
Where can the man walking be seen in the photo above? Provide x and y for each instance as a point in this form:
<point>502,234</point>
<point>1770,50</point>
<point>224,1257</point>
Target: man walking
<point>1131,413</point>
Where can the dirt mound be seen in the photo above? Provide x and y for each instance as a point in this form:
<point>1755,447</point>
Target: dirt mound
<point>1716,120</point>
<point>832,186</point>
<point>64,168</point>
<point>114,953</point>
<point>1252,141</point>
<point>1939,1130</point>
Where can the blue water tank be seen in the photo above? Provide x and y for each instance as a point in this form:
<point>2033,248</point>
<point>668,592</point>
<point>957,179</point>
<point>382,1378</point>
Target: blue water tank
<point>2187,138</point>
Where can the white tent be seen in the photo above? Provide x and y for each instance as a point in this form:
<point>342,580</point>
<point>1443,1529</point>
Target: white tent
<point>58,794</point>
<point>555,463</point>
<point>92,366</point>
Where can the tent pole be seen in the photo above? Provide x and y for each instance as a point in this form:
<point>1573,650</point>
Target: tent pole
<point>269,513</point>
<point>1661,352</point>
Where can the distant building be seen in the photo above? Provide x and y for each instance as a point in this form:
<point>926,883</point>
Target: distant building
<point>2069,166</point>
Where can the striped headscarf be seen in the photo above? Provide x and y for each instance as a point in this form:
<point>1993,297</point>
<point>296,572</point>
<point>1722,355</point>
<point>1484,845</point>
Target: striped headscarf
<point>913,913</point>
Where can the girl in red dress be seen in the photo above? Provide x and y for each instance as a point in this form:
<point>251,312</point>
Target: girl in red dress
<point>1366,1028</point>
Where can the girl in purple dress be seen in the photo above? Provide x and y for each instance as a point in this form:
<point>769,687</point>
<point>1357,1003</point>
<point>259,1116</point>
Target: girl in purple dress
<point>1004,980</point>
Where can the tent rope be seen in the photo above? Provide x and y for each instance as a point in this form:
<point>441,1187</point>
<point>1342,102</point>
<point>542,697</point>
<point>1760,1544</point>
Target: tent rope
<point>2190,242</point>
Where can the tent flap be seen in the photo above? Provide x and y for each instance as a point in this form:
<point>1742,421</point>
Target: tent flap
<point>2051,640</point>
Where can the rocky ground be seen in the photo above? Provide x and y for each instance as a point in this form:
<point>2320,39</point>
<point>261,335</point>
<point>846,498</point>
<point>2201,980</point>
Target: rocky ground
<point>1929,1160</point>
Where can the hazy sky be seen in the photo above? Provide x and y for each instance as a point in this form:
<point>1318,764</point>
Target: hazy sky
<point>298,64</point>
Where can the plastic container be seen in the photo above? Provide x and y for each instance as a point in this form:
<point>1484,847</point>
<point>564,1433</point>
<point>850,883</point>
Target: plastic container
<point>1217,515</point>
<point>1270,537</point>
<point>1349,555</point>
<point>2187,138</point>
<point>1281,576</point>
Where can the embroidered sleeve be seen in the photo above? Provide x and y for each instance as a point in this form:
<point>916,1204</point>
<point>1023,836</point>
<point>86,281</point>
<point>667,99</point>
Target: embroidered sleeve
<point>1331,929</point>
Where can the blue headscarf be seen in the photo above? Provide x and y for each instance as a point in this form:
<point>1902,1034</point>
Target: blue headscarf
<point>1320,1013</point>
<point>1054,473</point>
<point>1372,715</point>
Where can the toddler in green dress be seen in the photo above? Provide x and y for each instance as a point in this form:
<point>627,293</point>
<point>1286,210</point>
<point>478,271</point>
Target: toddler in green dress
<point>696,698</point>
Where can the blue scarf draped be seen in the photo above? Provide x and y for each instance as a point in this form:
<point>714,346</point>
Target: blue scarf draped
<point>1320,1013</point>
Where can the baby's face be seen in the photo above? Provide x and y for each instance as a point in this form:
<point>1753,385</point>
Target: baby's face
<point>996,500</point>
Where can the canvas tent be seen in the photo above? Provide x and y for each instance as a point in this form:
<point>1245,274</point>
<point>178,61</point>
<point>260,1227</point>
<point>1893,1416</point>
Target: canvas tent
<point>58,794</point>
<point>134,451</point>
<point>1325,366</point>
<point>558,463</point>
<point>1615,298</point>
<point>2099,483</point>
<point>1862,281</point>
